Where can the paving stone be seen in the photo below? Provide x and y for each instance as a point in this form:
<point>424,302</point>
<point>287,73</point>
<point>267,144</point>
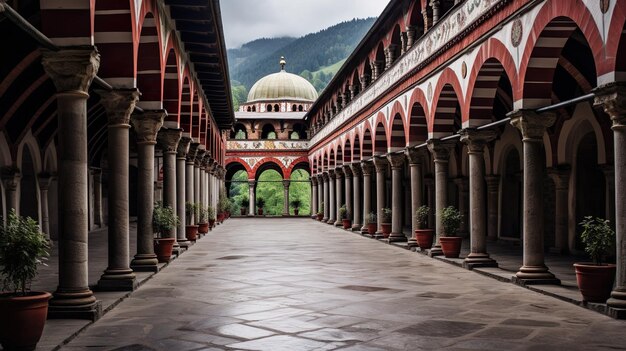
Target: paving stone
<point>280,343</point>
<point>443,328</point>
<point>242,331</point>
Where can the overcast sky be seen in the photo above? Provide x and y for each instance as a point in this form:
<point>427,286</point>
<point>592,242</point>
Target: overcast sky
<point>246,20</point>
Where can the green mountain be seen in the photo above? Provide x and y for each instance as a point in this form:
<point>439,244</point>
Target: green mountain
<point>316,56</point>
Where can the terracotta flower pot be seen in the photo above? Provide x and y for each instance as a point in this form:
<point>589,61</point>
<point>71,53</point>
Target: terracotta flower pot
<point>22,319</point>
<point>371,228</point>
<point>296,211</point>
<point>243,211</point>
<point>320,217</point>
<point>260,211</point>
<point>386,228</point>
<point>220,217</point>
<point>451,246</point>
<point>191,232</point>
<point>163,248</point>
<point>203,228</point>
<point>424,238</point>
<point>595,282</point>
<point>347,224</point>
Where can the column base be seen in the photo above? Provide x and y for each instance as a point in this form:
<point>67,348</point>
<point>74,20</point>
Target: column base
<point>435,251</point>
<point>325,220</point>
<point>479,260</point>
<point>616,305</point>
<point>74,305</point>
<point>184,244</point>
<point>330,221</point>
<point>533,275</point>
<point>145,263</point>
<point>378,235</point>
<point>364,230</point>
<point>338,223</point>
<point>411,243</point>
<point>314,217</point>
<point>397,237</point>
<point>117,280</point>
<point>356,227</point>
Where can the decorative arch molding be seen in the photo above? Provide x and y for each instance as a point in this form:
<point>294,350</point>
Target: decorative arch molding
<point>279,165</point>
<point>447,77</point>
<point>237,160</point>
<point>30,142</point>
<point>5,151</point>
<point>509,139</point>
<point>299,163</point>
<point>573,131</point>
<point>50,162</point>
<point>614,37</point>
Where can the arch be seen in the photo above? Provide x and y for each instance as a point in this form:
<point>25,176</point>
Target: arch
<point>148,64</point>
<point>615,58</point>
<point>552,27</point>
<point>114,30</point>
<point>582,122</point>
<point>186,106</point>
<point>234,165</point>
<point>356,84</point>
<point>367,73</point>
<point>30,142</point>
<point>347,151</point>
<point>300,189</point>
<point>367,143</point>
<point>356,148</point>
<point>445,115</point>
<point>266,131</point>
<point>380,136</point>
<point>331,159</point>
<point>397,140</point>
<point>339,149</point>
<point>172,95</point>
<point>268,163</point>
<point>239,131</point>
<point>276,108</point>
<point>299,163</point>
<point>380,61</point>
<point>418,122</point>
<point>416,18</point>
<point>29,165</point>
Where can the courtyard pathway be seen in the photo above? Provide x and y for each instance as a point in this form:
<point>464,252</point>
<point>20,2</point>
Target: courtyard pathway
<point>297,284</point>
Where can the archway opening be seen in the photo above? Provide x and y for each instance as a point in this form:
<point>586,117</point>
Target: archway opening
<point>29,204</point>
<point>300,190</point>
<point>511,225</point>
<point>268,132</point>
<point>239,191</point>
<point>270,188</point>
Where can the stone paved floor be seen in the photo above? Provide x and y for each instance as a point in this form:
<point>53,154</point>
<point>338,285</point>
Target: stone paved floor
<point>295,284</point>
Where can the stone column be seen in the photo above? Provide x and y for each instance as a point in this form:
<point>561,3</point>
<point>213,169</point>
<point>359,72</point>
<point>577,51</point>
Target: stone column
<point>612,98</point>
<point>197,180</point>
<point>368,168</point>
<point>357,172</point>
<point>410,36</point>
<point>314,196</point>
<point>326,177</point>
<point>440,151</point>
<point>181,196</point>
<point>415,164</point>
<point>190,178</point>
<point>338,194</point>
<point>381,164</point>
<point>72,70</point>
<point>320,192</point>
<point>286,184</point>
<point>435,6</point>
<point>146,126</point>
<point>332,197</point>
<point>11,177</point>
<point>347,171</point>
<point>251,193</point>
<point>532,127</point>
<point>44,180</point>
<point>462,186</point>
<point>560,175</point>
<point>96,173</point>
<point>397,162</point>
<point>119,104</point>
<point>430,199</point>
<point>476,141</point>
<point>168,141</point>
<point>493,186</point>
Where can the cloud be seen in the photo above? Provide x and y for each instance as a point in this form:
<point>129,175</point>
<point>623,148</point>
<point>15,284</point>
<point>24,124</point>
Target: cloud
<point>246,20</point>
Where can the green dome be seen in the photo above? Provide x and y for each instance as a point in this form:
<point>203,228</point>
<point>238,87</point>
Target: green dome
<point>281,86</point>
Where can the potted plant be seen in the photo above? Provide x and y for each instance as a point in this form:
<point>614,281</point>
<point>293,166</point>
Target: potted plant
<point>386,222</point>
<point>164,219</point>
<point>372,223</point>
<point>232,207</point>
<point>243,205</point>
<point>595,279</point>
<point>320,212</point>
<point>451,221</point>
<point>423,236</point>
<point>211,216</point>
<point>222,207</point>
<point>191,213</point>
<point>23,313</point>
<point>296,203</point>
<point>343,214</point>
<point>260,202</point>
<point>203,219</point>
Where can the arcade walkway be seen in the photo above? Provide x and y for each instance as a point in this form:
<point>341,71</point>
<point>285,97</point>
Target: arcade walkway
<point>296,284</point>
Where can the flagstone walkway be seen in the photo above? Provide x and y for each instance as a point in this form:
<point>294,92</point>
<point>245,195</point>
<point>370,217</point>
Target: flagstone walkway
<point>297,284</point>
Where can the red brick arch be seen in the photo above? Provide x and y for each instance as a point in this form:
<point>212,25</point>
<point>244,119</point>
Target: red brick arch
<point>297,164</point>
<point>365,141</point>
<point>267,161</point>
<point>397,127</point>
<point>244,164</point>
<point>616,42</point>
<point>417,117</point>
<point>447,78</point>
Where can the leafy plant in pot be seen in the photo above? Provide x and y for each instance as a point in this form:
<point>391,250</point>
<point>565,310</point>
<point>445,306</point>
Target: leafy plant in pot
<point>386,222</point>
<point>211,216</point>
<point>595,279</point>
<point>423,236</point>
<point>163,221</point>
<point>343,214</point>
<point>296,204</point>
<point>203,219</point>
<point>320,212</point>
<point>244,202</point>
<point>372,223</point>
<point>451,221</point>
<point>191,217</point>
<point>22,312</point>
<point>260,203</point>
<point>222,207</point>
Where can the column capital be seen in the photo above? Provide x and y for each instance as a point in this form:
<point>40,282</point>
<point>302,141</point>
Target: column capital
<point>183,147</point>
<point>531,124</point>
<point>147,125</point>
<point>380,163</point>
<point>612,99</point>
<point>367,167</point>
<point>44,180</point>
<point>331,174</point>
<point>11,177</point>
<point>199,156</point>
<point>356,169</point>
<point>396,160</point>
<point>72,68</point>
<point>477,139</point>
<point>325,176</point>
<point>119,104</point>
<point>168,139</point>
<point>251,182</point>
<point>193,151</point>
<point>414,155</point>
<point>440,149</point>
<point>339,172</point>
<point>560,175</point>
<point>493,182</point>
<point>347,170</point>
<point>286,183</point>
<point>314,180</point>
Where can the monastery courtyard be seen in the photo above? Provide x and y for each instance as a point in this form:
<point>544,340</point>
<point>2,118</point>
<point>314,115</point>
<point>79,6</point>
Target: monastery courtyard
<point>297,284</point>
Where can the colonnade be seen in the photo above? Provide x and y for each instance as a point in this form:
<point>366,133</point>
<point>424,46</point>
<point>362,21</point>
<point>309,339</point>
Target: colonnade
<point>482,191</point>
<point>190,174</point>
